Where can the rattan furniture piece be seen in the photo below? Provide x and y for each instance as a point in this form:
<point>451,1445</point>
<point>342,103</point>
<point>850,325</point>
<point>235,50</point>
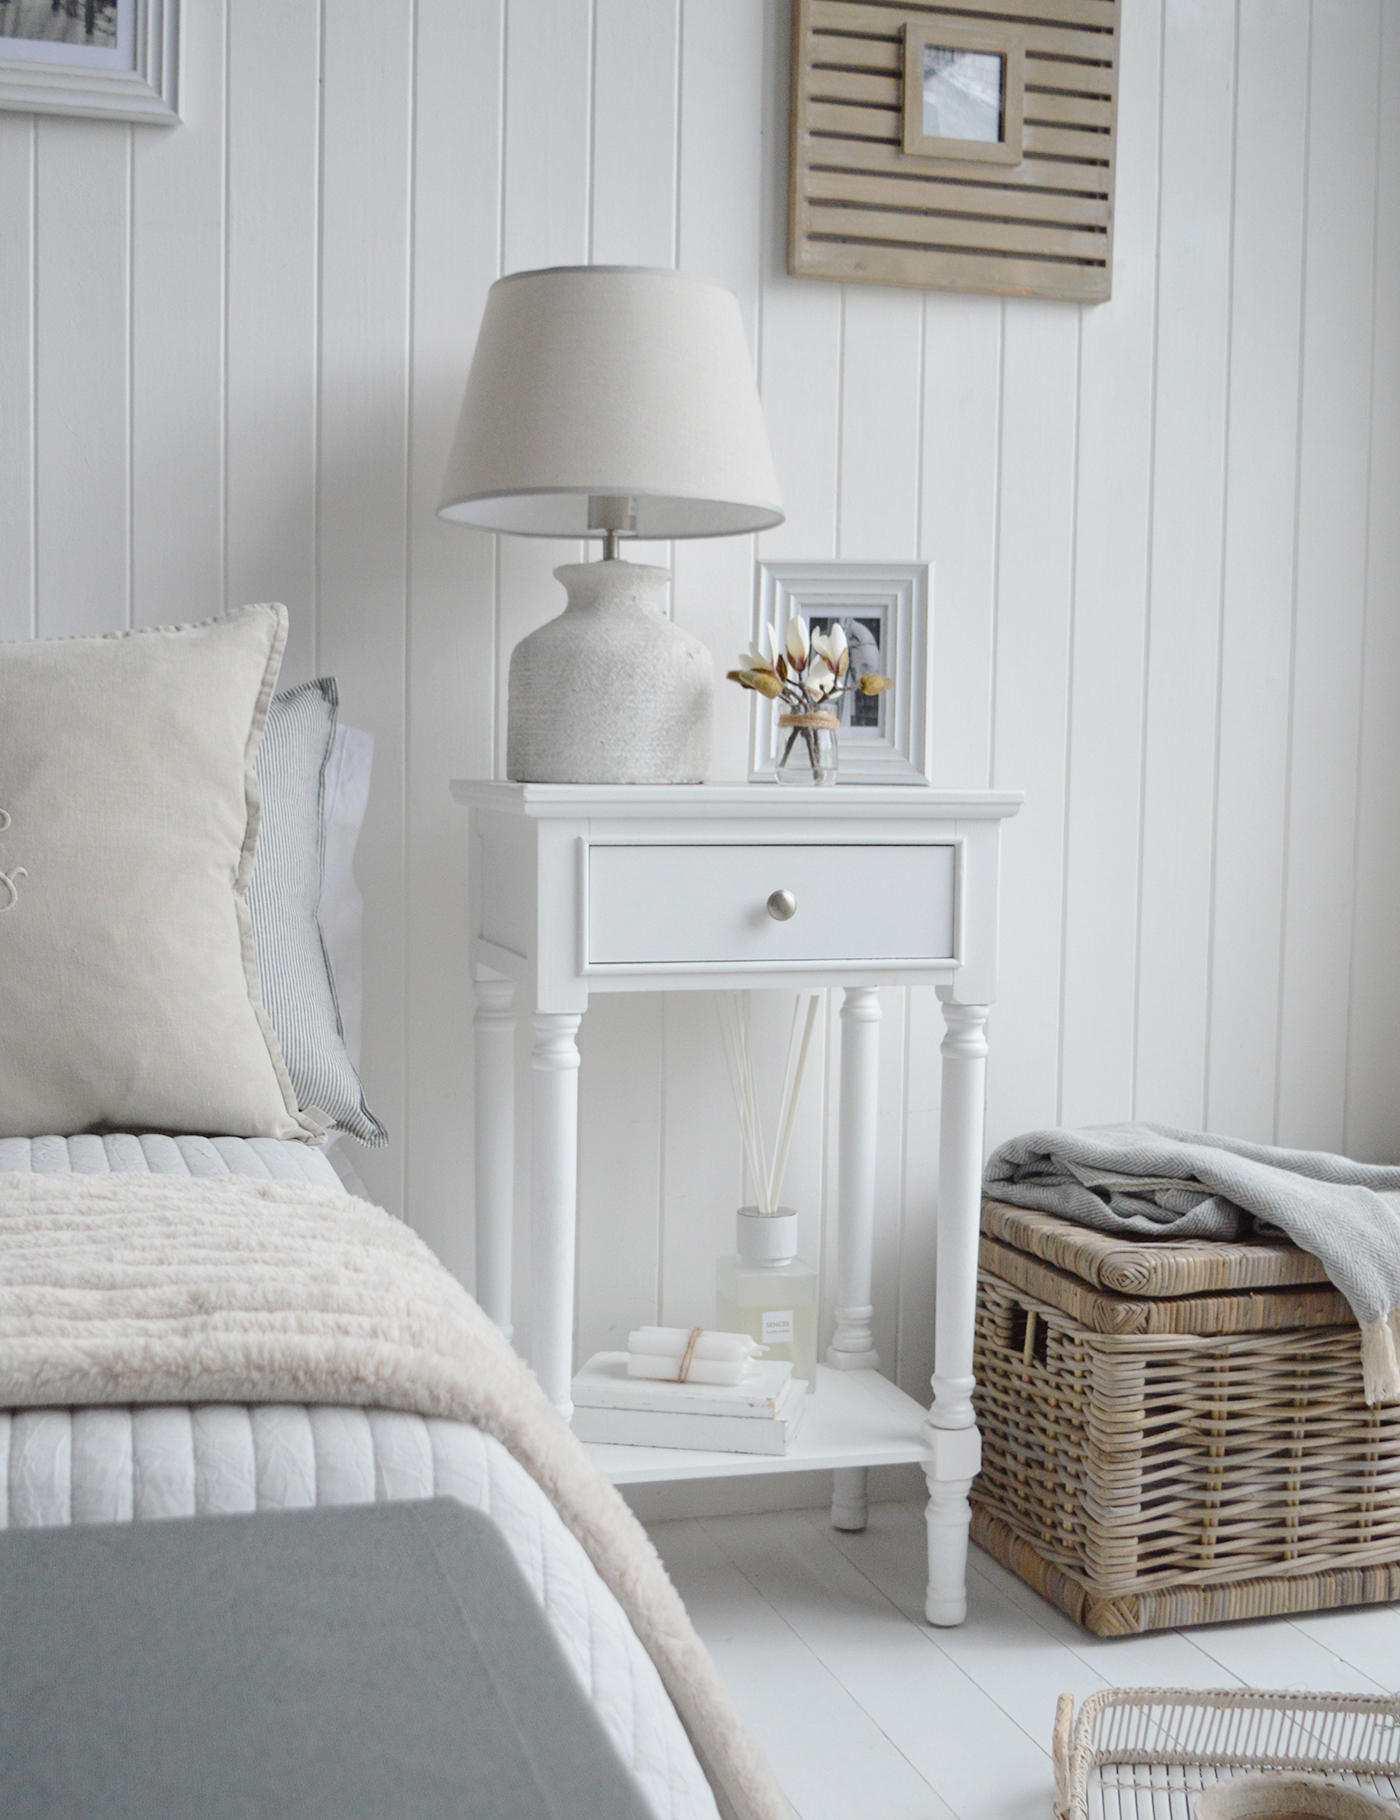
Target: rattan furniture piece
<point>1146,1753</point>
<point>1176,1433</point>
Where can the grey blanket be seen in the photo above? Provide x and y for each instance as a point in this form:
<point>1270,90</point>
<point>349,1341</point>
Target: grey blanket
<point>1149,1182</point>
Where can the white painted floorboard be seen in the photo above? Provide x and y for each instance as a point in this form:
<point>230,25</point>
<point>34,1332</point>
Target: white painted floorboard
<point>864,1709</point>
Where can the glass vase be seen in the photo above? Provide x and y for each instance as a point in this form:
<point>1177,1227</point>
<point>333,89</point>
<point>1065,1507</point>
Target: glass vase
<point>770,1293</point>
<point>807,751</point>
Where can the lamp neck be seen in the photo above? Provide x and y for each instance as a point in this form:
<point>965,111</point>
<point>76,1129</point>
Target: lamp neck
<point>613,514</point>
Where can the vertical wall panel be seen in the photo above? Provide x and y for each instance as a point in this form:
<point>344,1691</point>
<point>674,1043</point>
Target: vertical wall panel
<point>880,495</point>
<point>548,91</point>
<point>1035,565</point>
<point>633,222</point>
<point>17,400</point>
<point>918,1250</point>
<point>366,197</point>
<point>960,510</point>
<point>1184,623</point>
<point>800,370</point>
<point>1331,583</point>
<point>1261,484</point>
<point>888,1260</point>
<point>177,344</point>
<point>636,44</point>
<point>547,159</point>
<point>621,1090</point>
<point>273,254</point>
<point>799,345</point>
<point>720,200</point>
<point>881,386</point>
<point>1373,1101</point>
<point>1103,828</point>
<point>452,577</point>
<point>704,1175</point>
<point>83,347</point>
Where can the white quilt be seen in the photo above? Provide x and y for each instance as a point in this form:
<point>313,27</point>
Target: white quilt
<point>114,1463</point>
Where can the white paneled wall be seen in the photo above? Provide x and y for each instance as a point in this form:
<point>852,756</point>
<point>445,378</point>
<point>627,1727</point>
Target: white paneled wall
<point>1165,531</point>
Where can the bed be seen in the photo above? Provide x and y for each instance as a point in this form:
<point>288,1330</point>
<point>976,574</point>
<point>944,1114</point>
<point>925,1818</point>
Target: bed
<point>104,1464</point>
<point>172,886</point>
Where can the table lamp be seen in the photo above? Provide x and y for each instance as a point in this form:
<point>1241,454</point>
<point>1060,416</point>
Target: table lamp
<point>611,402</point>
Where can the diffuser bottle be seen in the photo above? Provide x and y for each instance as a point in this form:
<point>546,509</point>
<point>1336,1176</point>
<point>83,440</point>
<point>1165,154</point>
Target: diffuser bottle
<point>769,1293</point>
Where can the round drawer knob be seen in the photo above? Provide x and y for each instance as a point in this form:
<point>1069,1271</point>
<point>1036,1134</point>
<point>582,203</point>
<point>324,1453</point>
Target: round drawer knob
<point>782,905</point>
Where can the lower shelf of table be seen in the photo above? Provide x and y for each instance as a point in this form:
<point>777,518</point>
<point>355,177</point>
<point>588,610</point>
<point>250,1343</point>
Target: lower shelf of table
<point>856,1418</point>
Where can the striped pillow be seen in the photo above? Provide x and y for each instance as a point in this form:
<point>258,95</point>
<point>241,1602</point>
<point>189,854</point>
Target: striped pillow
<point>284,900</point>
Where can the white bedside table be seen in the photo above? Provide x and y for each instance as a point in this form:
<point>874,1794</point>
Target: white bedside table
<point>579,888</point>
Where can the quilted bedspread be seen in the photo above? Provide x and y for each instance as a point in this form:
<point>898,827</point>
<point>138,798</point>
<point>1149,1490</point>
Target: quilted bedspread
<point>118,1463</point>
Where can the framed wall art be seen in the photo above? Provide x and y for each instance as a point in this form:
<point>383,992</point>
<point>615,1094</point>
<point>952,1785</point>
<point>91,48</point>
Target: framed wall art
<point>883,608</point>
<point>102,59</point>
<point>961,144</point>
<point>964,92</point>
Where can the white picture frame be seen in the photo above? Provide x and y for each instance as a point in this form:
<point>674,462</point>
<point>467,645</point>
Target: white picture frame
<point>889,603</point>
<point>137,79</point>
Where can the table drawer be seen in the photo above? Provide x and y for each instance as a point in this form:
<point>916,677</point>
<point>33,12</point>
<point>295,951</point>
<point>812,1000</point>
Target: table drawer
<point>708,903</point>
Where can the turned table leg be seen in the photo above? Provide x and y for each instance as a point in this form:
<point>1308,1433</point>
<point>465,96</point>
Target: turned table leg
<point>951,1430</point>
<point>852,1346</point>
<point>554,1203</point>
<point>493,1027</point>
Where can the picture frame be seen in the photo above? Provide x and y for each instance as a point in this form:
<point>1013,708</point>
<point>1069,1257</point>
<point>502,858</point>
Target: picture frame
<point>978,74</point>
<point>125,64</point>
<point>863,209</point>
<point>884,609</point>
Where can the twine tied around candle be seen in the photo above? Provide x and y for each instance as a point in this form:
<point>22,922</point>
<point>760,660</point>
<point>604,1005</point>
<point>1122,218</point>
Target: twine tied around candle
<point>695,1333</point>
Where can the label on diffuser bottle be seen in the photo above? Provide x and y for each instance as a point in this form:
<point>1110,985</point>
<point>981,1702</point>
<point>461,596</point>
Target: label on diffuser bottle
<point>777,1326</point>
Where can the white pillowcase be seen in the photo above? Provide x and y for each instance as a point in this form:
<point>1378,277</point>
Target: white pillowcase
<point>304,904</point>
<point>128,817</point>
<point>342,907</point>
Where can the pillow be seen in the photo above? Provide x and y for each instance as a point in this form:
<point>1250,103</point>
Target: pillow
<point>342,907</point>
<point>128,979</point>
<point>285,899</point>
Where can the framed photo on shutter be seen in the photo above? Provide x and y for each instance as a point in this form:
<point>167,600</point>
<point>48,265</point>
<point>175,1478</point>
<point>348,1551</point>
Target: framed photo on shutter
<point>964,92</point>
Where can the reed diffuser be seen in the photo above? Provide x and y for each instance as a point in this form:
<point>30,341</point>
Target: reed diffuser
<point>767,1291</point>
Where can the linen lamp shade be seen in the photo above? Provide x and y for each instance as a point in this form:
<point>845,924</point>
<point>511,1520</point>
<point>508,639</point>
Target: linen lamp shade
<point>611,401</point>
<point>611,382</point>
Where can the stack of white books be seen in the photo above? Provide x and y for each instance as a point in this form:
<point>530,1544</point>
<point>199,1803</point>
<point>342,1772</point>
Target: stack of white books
<point>759,1414</point>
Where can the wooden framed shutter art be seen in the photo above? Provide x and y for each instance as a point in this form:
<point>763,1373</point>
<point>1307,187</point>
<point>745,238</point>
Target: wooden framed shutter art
<point>1027,211</point>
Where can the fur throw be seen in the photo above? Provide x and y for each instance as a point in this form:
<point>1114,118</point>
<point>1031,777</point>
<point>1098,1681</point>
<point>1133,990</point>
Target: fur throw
<point>153,1289</point>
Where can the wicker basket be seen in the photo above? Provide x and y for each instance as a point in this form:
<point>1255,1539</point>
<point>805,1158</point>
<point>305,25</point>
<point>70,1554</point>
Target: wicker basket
<point>1148,1751</point>
<point>1144,1480</point>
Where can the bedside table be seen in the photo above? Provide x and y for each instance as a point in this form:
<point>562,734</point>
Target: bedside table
<point>581,888</point>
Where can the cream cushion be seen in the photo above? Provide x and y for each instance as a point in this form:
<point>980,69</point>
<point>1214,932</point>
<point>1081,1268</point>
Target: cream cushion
<point>128,818</point>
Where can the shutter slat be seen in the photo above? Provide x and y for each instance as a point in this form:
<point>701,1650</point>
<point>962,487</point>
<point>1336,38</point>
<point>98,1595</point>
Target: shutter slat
<point>1003,201</point>
<point>966,272</point>
<point>887,160</point>
<point>879,227</point>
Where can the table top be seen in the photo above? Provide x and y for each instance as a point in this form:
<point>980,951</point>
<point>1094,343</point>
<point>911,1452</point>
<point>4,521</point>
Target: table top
<point>737,801</point>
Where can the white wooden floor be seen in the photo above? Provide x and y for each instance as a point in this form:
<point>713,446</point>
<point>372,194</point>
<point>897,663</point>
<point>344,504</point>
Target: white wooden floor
<point>867,1713</point>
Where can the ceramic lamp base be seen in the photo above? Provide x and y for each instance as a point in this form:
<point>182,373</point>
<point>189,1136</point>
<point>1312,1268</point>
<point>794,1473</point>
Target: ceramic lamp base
<point>611,692</point>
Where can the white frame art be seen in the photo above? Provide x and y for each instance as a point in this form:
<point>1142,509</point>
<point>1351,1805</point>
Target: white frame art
<point>897,593</point>
<point>146,92</point>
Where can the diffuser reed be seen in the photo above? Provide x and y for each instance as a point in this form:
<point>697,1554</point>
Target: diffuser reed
<point>766,1168</point>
